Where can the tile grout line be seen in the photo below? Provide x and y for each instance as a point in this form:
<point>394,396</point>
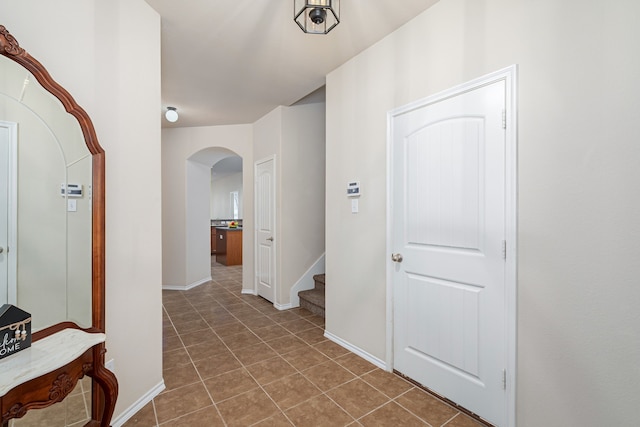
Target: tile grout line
<point>155,414</point>
<point>297,371</point>
<point>450,419</point>
<point>300,372</point>
<point>239,361</point>
<point>239,314</point>
<point>244,366</point>
<point>241,304</point>
<point>235,356</point>
<point>333,388</point>
<point>409,410</point>
<point>197,372</point>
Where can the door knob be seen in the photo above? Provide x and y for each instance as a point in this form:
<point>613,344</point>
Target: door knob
<point>396,257</point>
<point>270,239</point>
<point>1,249</point>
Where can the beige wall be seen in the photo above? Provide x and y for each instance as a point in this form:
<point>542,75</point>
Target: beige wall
<point>97,50</point>
<point>301,187</point>
<point>267,134</point>
<point>198,224</point>
<point>578,341</point>
<point>221,189</point>
<point>186,232</point>
<point>296,137</point>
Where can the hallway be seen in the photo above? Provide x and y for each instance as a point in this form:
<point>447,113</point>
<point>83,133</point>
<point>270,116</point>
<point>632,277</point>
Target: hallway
<point>235,360</point>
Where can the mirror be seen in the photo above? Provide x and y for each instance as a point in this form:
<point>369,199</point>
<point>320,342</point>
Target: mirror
<point>47,205</point>
<point>51,238</point>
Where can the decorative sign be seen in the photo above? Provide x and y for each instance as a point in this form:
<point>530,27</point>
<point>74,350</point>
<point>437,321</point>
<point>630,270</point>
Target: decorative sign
<point>15,330</point>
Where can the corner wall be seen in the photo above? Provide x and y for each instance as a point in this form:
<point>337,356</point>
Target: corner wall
<point>302,187</point>
<point>578,341</point>
<point>198,224</point>
<point>296,136</point>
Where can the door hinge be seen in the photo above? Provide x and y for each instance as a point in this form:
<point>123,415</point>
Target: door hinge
<point>504,379</point>
<point>504,119</point>
<point>504,249</point>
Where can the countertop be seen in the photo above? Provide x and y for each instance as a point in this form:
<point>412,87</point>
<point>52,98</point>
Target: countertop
<point>228,228</point>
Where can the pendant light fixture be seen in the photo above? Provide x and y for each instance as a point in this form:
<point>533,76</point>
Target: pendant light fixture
<point>316,16</point>
<point>171,114</point>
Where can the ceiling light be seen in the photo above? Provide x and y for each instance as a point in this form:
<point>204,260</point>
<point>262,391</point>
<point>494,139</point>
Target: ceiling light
<point>316,16</point>
<point>171,114</point>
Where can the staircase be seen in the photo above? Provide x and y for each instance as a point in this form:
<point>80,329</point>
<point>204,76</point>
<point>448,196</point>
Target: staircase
<point>313,299</point>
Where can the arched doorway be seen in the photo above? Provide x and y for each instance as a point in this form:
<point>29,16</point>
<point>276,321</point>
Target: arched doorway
<point>197,250</point>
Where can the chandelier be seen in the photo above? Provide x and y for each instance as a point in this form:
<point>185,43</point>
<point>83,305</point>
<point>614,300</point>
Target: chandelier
<point>316,16</point>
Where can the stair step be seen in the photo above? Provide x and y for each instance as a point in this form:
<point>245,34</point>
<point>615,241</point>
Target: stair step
<point>319,281</point>
<point>312,300</point>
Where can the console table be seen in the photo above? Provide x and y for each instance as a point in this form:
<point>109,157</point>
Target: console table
<point>48,371</point>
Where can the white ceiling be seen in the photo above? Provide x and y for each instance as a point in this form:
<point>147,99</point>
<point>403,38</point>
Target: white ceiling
<point>233,61</point>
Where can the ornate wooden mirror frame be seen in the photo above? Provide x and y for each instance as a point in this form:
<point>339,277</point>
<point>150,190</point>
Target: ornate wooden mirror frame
<point>54,382</point>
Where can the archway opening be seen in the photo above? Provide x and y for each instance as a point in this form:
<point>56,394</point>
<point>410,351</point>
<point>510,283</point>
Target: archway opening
<point>214,210</point>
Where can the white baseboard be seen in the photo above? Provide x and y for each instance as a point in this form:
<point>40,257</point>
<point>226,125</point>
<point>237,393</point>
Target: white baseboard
<point>283,306</point>
<point>185,287</point>
<point>306,282</point>
<point>352,348</point>
<point>138,405</point>
<point>249,292</point>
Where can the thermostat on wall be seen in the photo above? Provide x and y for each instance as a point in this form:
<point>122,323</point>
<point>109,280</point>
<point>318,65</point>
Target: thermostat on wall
<point>71,190</point>
<point>353,189</point>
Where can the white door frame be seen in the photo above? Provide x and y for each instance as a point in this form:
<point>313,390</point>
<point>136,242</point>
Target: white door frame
<point>509,76</point>
<point>12,199</point>
<point>256,248</point>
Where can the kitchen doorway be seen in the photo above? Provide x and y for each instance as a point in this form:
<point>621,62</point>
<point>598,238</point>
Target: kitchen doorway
<point>226,207</point>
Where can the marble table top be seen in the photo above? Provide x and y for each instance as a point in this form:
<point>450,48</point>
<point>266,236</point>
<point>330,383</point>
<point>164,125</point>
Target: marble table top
<point>44,356</point>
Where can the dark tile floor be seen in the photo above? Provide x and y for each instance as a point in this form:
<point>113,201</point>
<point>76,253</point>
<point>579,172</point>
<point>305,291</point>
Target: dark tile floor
<point>234,360</point>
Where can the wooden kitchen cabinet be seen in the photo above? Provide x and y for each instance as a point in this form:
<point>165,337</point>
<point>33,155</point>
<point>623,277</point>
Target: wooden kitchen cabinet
<point>214,240</point>
<point>229,246</point>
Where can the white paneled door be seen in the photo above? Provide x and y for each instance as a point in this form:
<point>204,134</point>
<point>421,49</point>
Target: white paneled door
<point>448,247</point>
<point>7,209</point>
<point>265,228</point>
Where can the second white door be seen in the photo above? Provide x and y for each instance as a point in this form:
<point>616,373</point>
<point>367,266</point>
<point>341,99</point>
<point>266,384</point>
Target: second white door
<point>265,202</point>
<point>7,213</point>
